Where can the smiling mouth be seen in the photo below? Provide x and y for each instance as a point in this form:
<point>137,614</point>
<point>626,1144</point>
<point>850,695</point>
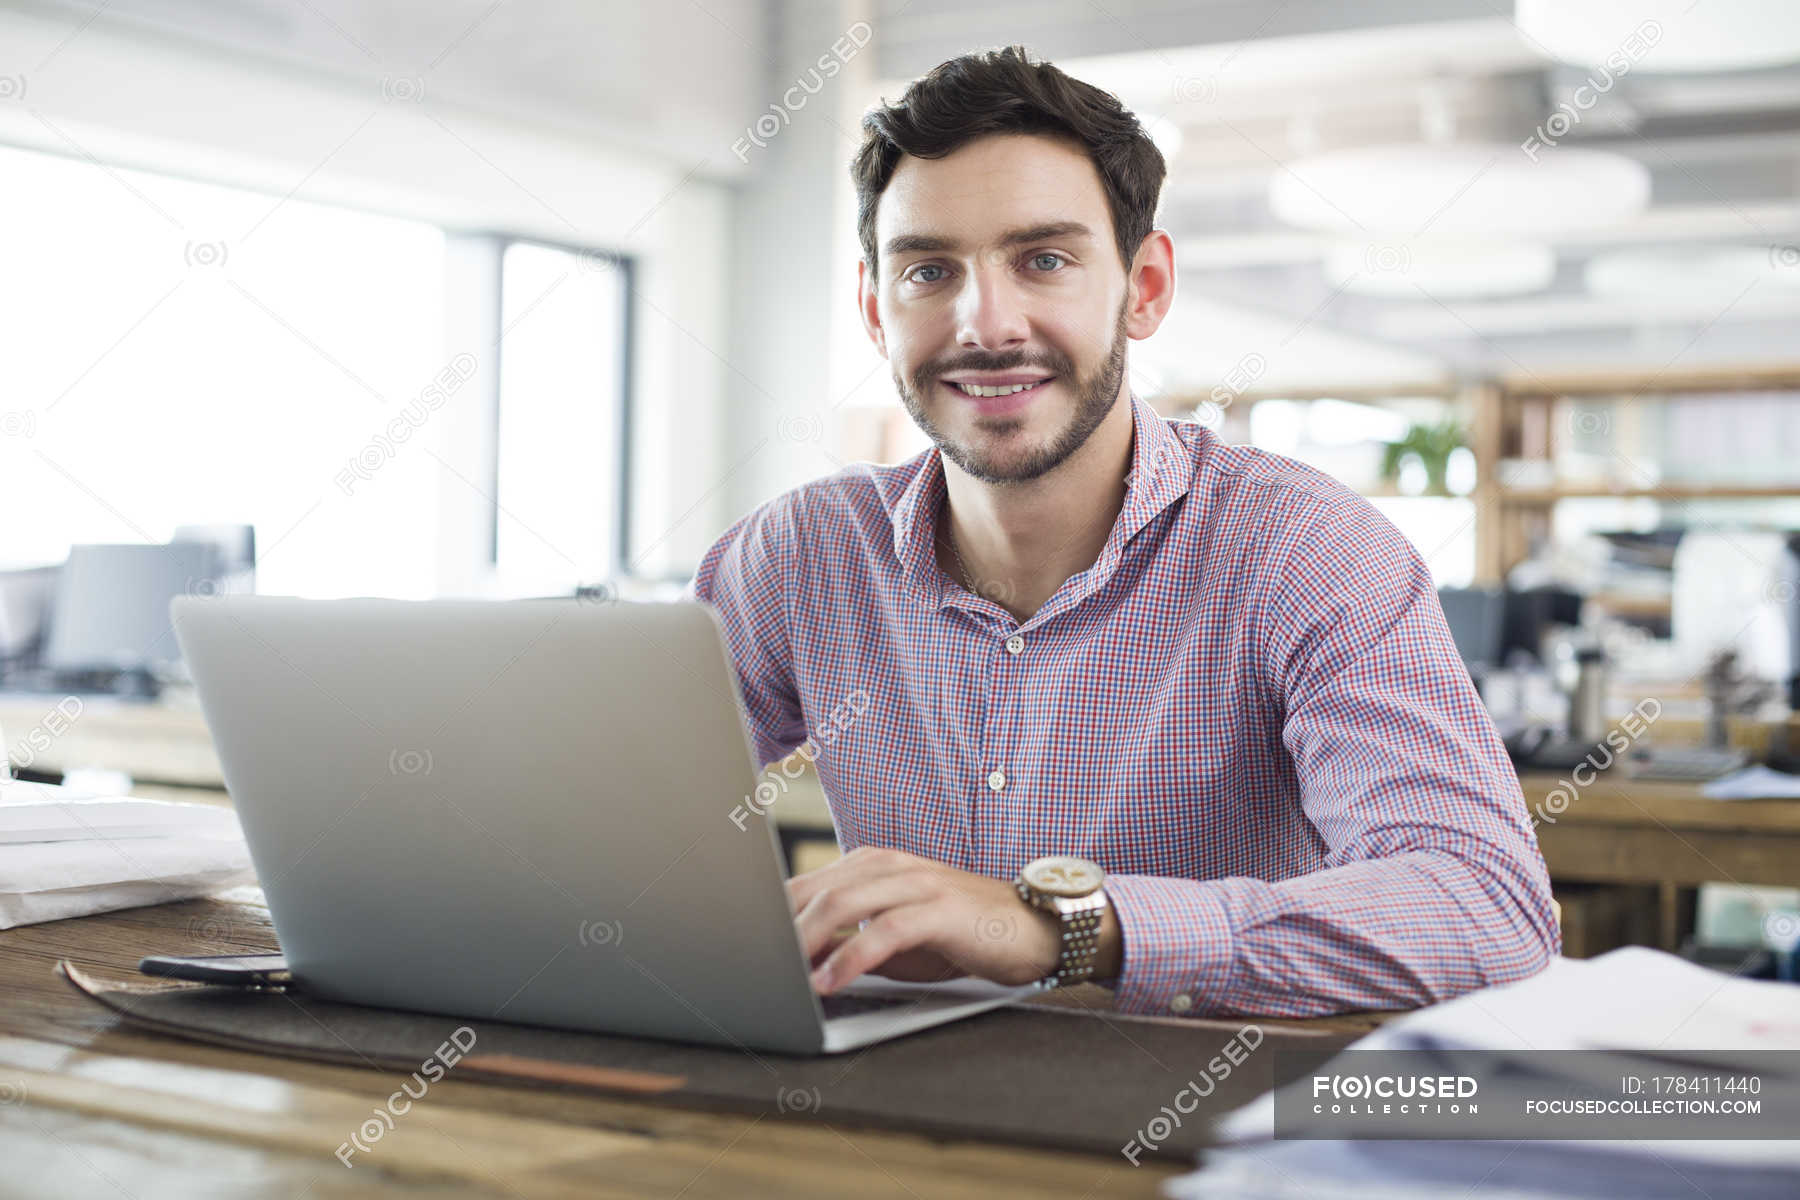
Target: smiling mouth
<point>984,392</point>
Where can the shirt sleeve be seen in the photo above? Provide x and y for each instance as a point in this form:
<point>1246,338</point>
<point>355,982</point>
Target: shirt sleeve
<point>745,576</point>
<point>1433,884</point>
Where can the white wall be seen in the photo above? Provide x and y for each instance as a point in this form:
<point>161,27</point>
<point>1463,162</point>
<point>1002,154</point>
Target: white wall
<point>794,324</point>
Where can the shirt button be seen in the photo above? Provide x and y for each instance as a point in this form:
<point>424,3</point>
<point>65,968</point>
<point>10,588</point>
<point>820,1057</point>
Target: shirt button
<point>1182,1002</point>
<point>997,780</point>
<point>1015,644</point>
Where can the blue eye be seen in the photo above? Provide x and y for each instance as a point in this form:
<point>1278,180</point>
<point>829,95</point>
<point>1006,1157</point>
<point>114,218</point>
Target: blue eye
<point>1052,256</point>
<point>926,267</point>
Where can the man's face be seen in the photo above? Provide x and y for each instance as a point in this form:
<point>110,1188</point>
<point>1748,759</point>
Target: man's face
<point>998,266</point>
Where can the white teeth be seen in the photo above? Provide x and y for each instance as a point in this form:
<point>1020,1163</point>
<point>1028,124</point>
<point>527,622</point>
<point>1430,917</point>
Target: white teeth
<point>977,390</point>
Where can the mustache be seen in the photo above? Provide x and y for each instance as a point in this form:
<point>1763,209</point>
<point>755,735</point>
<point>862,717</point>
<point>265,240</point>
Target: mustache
<point>1005,364</point>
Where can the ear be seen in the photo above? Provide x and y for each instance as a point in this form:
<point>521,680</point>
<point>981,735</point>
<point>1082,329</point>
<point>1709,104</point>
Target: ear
<point>868,306</point>
<point>1151,286</point>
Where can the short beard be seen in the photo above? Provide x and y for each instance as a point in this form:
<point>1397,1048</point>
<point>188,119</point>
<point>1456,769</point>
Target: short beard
<point>1094,399</point>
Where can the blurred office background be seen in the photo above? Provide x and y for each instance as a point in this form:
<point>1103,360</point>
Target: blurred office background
<point>513,298</point>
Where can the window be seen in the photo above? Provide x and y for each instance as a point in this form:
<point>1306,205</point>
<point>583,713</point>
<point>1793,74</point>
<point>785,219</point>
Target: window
<point>184,353</point>
<point>559,482</point>
<point>179,353</point>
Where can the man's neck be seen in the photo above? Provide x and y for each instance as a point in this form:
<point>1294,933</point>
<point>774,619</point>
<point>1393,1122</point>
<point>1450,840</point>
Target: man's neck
<point>1020,541</point>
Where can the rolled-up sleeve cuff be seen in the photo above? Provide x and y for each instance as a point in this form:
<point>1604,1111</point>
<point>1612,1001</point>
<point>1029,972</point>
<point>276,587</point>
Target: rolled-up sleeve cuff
<point>1178,945</point>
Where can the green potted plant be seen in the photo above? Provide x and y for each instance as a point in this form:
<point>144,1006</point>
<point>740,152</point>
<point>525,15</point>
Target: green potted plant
<point>1432,445</point>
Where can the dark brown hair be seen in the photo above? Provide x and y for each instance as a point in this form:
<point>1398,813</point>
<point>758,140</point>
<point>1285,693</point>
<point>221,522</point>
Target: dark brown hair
<point>1003,91</point>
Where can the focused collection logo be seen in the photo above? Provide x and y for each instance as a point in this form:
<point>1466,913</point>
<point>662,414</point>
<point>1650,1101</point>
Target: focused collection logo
<point>1394,1095</point>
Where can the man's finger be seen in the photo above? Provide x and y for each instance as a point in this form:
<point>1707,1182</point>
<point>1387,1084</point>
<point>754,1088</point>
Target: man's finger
<point>893,931</point>
<point>861,863</point>
<point>823,952</point>
<point>848,903</point>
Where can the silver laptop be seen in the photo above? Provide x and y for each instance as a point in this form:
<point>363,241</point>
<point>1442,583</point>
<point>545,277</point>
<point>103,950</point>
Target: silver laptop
<point>522,811</point>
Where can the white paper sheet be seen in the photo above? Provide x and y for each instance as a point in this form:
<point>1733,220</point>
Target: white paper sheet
<point>1754,783</point>
<point>1633,998</point>
<point>51,880</point>
<point>43,812</point>
<point>1630,999</point>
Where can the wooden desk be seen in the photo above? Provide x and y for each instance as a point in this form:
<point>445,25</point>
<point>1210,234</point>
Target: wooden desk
<point>160,743</point>
<point>1618,830</point>
<point>1612,831</point>
<point>166,749</point>
<point>85,1099</point>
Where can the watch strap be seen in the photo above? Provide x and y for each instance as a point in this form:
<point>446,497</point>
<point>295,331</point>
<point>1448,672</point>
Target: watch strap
<point>1078,920</point>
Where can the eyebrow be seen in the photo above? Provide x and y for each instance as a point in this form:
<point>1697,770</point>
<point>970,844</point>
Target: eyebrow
<point>910,243</point>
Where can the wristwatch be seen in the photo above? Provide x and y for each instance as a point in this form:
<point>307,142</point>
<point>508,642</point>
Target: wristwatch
<point>1068,888</point>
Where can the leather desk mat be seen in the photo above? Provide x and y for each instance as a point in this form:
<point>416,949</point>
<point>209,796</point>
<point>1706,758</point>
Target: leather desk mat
<point>1032,1074</point>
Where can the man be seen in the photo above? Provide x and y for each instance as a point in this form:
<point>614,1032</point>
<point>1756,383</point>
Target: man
<point>1076,629</point>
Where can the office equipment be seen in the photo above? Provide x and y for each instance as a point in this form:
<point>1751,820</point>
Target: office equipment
<point>1476,617</point>
<point>1739,915</point>
<point>1587,702</point>
<point>1732,960</point>
<point>1693,764</point>
<point>25,596</point>
<point>1531,612</point>
<point>111,611</point>
<point>1727,596</point>
<point>477,807</point>
<point>241,970</point>
<point>234,546</point>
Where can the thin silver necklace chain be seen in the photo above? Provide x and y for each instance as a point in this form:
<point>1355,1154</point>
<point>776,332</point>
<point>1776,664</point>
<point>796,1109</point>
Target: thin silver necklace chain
<point>967,580</point>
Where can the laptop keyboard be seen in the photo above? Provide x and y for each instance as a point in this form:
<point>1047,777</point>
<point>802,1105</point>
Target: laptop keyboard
<point>843,1004</point>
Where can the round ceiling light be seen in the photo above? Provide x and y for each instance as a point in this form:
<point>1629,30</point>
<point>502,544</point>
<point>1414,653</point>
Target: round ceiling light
<point>1663,35</point>
<point>1440,268</point>
<point>1459,188</point>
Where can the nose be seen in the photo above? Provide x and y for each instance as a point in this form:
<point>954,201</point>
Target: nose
<point>989,312</point>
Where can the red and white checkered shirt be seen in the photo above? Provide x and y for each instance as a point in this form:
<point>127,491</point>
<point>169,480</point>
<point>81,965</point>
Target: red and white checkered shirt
<point>1249,711</point>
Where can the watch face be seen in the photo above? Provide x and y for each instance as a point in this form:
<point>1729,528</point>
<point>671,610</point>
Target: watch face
<point>1063,875</point>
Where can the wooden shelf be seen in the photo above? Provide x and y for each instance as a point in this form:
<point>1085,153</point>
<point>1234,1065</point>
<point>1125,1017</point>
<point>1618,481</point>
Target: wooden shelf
<point>1770,377</point>
<point>1501,411</point>
<point>1538,497</point>
<point>1627,604</point>
<point>1187,398</point>
<point>1387,491</point>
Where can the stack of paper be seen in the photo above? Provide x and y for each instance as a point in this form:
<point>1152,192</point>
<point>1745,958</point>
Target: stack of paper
<point>1634,1000</point>
<point>1754,783</point>
<point>66,854</point>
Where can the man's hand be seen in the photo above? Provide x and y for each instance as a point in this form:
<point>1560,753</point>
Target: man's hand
<point>925,921</point>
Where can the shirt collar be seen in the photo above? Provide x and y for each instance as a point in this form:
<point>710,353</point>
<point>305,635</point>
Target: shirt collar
<point>1162,470</point>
